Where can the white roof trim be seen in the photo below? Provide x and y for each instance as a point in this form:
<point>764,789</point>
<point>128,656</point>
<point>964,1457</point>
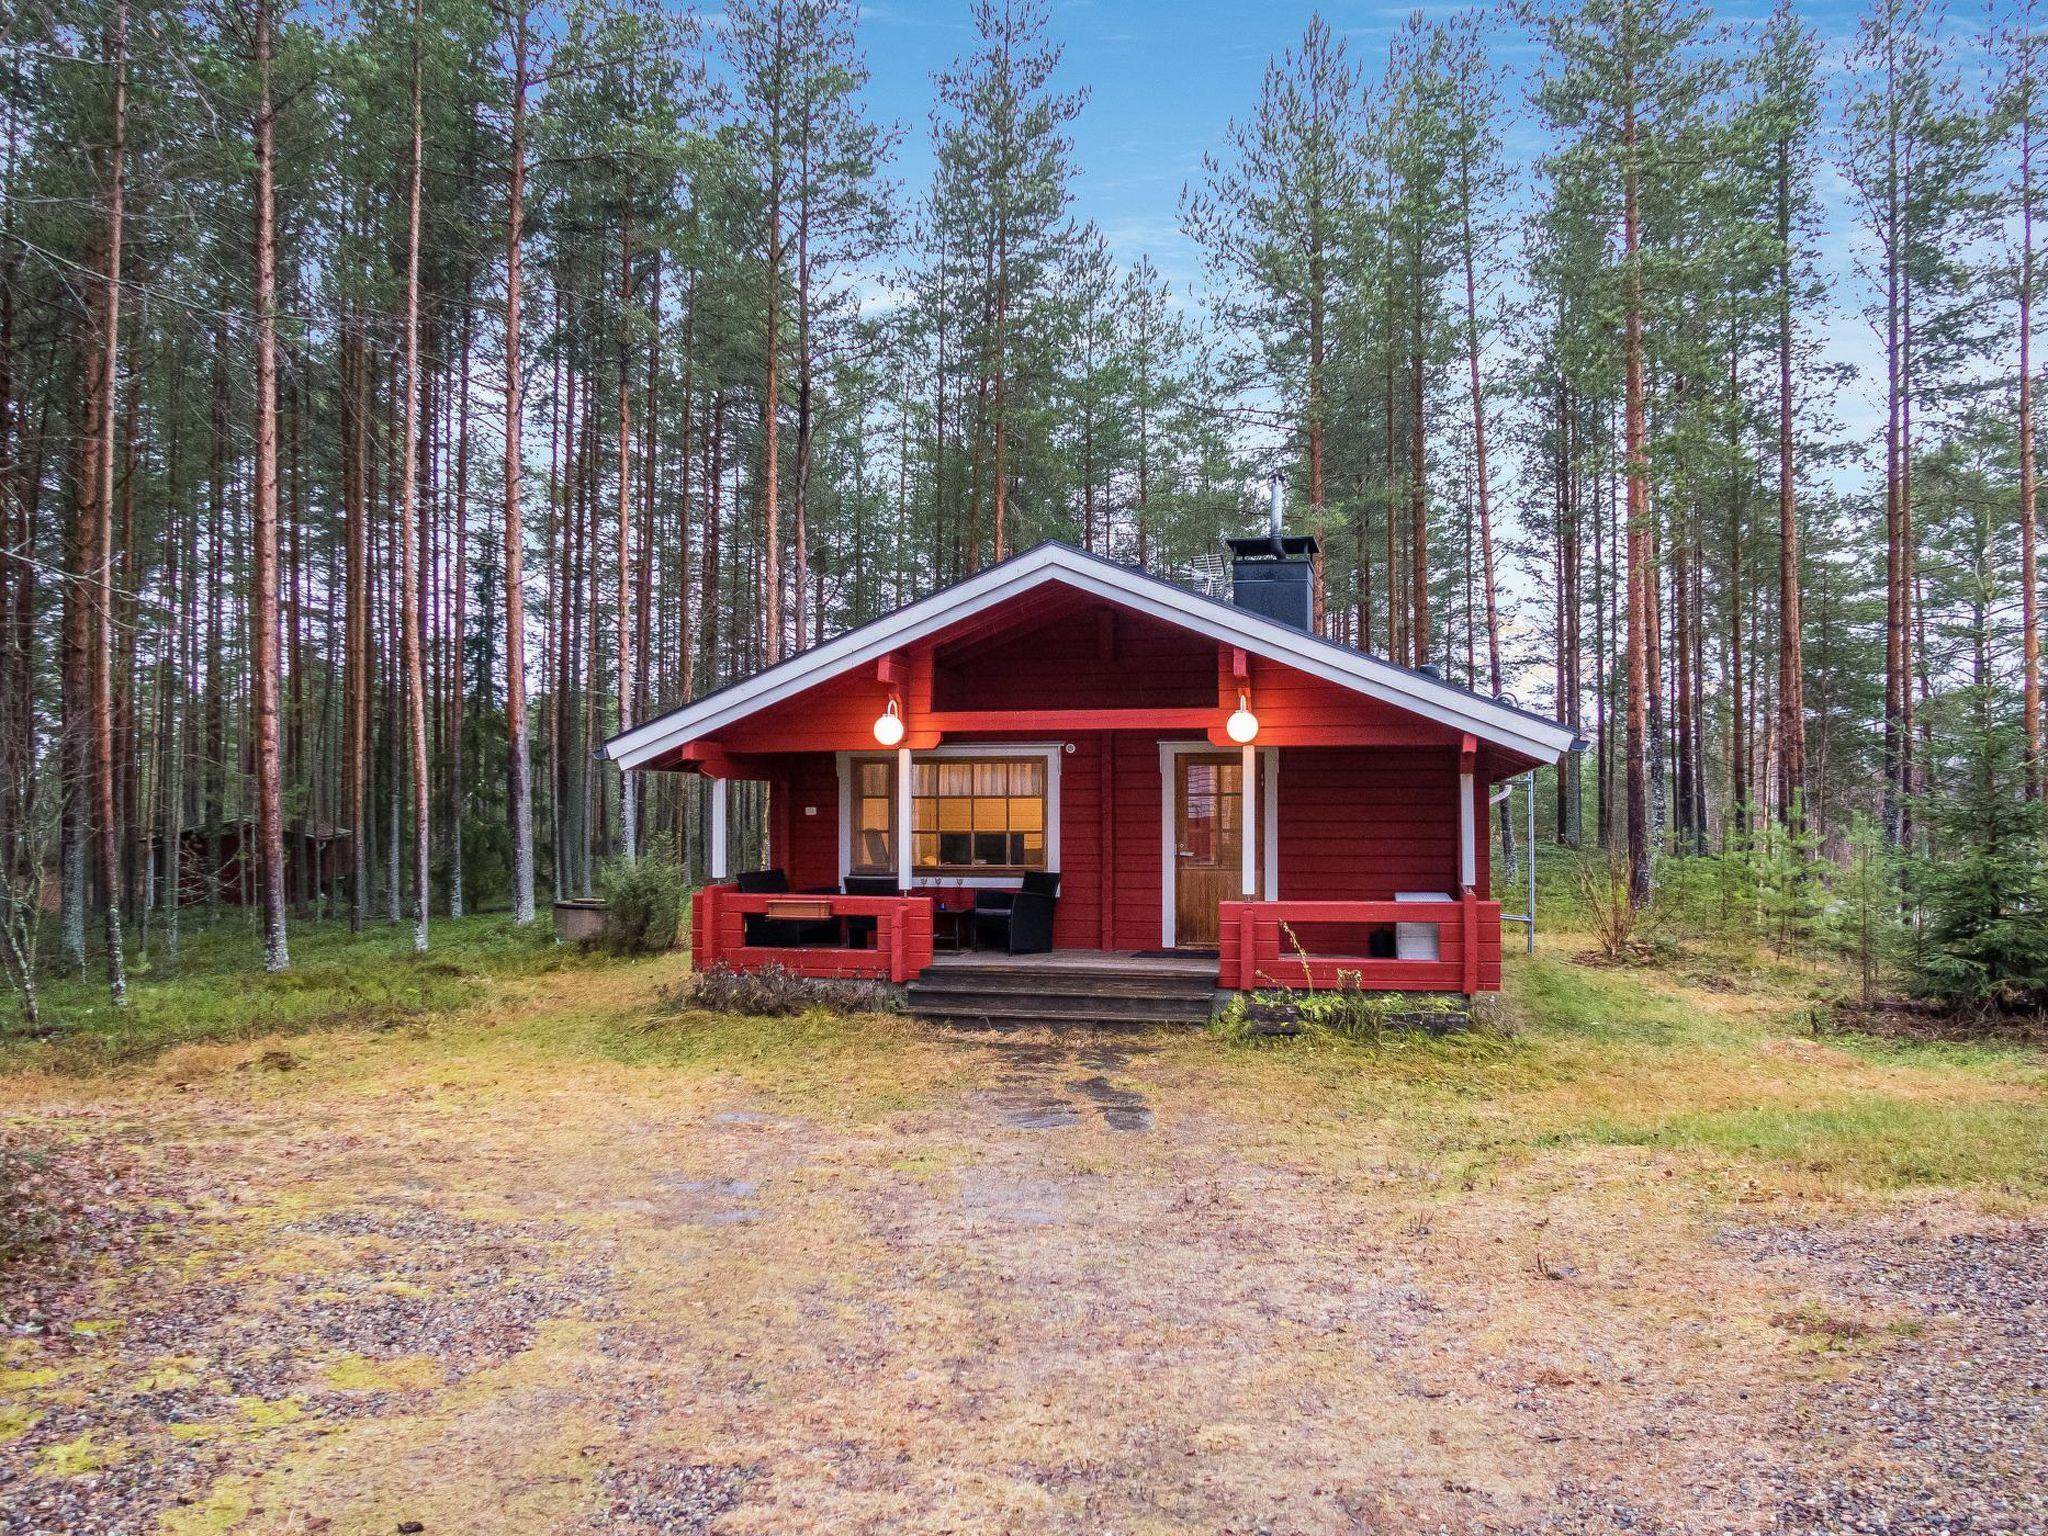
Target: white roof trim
<point>1499,724</point>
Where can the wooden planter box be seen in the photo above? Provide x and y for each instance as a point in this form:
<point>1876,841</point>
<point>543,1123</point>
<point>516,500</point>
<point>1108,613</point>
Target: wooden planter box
<point>576,921</point>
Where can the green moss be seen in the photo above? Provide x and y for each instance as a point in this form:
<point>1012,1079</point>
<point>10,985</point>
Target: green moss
<point>16,1422</point>
<point>257,1414</point>
<point>227,1505</point>
<point>404,1373</point>
<point>76,1457</point>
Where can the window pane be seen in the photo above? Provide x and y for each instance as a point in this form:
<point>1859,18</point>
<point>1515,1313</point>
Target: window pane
<point>874,814</point>
<point>924,815</point>
<point>954,848</point>
<point>988,815</point>
<point>924,850</point>
<point>1033,844</point>
<point>1027,778</point>
<point>991,848</point>
<point>924,779</point>
<point>874,779</point>
<point>956,778</point>
<point>989,778</point>
<point>953,814</point>
<point>1027,815</point>
<point>874,850</point>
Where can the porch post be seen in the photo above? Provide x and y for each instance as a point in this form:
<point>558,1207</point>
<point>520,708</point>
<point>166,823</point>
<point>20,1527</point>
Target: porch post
<point>903,818</point>
<point>1250,840</point>
<point>1468,848</point>
<point>721,791</point>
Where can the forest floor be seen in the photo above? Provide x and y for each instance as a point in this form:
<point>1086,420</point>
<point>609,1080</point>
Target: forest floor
<point>497,1242</point>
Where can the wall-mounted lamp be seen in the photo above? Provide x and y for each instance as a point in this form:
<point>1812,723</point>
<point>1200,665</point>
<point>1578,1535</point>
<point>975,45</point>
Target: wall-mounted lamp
<point>1243,726</point>
<point>889,726</point>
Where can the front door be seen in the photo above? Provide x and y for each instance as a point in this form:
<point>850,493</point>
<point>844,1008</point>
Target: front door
<point>1208,842</point>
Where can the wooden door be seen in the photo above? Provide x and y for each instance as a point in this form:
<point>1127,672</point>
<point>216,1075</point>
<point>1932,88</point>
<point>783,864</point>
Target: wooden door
<point>1208,842</point>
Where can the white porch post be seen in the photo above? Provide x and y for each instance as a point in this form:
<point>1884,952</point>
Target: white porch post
<point>903,880</point>
<point>1468,847</point>
<point>721,791</point>
<point>1250,840</point>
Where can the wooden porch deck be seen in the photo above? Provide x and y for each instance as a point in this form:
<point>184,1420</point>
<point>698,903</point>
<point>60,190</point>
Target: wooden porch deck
<point>1119,962</point>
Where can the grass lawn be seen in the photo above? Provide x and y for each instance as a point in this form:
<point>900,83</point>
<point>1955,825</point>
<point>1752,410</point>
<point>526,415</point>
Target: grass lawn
<point>493,1240</point>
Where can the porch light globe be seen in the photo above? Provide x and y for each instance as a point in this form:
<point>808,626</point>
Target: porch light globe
<point>889,726</point>
<point>1242,727</point>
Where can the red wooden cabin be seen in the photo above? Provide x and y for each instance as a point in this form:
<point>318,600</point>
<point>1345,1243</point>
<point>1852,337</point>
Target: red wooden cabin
<point>1203,776</point>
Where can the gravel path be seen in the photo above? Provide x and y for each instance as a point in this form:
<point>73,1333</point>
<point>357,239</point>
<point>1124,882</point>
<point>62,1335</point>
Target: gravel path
<point>1944,1429</point>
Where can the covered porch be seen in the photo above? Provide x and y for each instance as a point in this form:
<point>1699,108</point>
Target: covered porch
<point>1311,867</point>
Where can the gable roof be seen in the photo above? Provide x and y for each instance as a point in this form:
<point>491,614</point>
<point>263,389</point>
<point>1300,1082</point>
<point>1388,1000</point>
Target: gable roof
<point>1490,720</point>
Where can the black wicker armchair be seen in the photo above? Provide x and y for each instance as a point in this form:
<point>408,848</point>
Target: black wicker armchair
<point>1017,922</point>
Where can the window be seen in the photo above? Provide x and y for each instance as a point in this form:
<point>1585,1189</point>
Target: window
<point>978,813</point>
<point>874,816</point>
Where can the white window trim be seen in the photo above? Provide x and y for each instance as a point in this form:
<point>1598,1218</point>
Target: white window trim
<point>1268,792</point>
<point>1048,752</point>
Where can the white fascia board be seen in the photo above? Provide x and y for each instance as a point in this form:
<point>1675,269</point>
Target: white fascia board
<point>1510,728</point>
<point>1524,734</point>
<point>870,642</point>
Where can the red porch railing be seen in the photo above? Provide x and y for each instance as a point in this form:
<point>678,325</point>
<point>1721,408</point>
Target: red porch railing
<point>902,938</point>
<point>1283,944</point>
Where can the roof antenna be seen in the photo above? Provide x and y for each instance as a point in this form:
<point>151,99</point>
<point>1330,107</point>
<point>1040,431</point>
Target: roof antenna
<point>1276,509</point>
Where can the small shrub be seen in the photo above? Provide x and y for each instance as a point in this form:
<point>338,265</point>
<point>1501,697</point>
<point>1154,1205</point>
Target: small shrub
<point>644,901</point>
<point>1982,938</point>
<point>1604,887</point>
<point>1861,923</point>
<point>774,991</point>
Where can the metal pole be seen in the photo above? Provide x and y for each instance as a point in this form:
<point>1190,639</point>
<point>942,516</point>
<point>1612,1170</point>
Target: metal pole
<point>1529,852</point>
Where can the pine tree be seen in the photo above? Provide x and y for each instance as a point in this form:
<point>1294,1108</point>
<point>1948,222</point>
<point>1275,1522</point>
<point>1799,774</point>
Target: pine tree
<point>1274,218</point>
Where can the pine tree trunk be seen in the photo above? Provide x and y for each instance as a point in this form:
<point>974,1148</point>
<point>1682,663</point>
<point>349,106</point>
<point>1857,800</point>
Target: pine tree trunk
<point>629,821</point>
<point>1791,660</point>
<point>707,570</point>
<point>458,618</point>
<point>1418,474</point>
<point>2030,596</point>
<point>1639,577</point>
<point>771,550</point>
<point>264,616</point>
<point>411,618</point>
<point>519,766</point>
<point>99,485</point>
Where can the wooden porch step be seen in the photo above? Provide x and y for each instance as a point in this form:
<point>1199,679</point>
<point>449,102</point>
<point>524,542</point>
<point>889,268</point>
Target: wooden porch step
<point>1065,990</point>
<point>1174,1008</point>
<point>1045,1018</point>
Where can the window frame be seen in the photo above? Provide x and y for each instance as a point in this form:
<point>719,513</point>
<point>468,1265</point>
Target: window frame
<point>1003,876</point>
<point>850,801</point>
